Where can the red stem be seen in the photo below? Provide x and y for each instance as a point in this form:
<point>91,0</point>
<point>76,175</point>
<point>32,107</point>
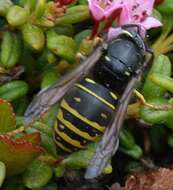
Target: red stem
<point>111,20</point>
<point>63,2</point>
<point>158,2</point>
<point>95,29</point>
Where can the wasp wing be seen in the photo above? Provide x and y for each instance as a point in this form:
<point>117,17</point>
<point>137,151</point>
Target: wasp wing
<point>110,141</point>
<point>48,97</point>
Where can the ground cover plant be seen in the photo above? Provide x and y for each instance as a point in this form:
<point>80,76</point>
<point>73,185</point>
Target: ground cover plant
<point>40,42</point>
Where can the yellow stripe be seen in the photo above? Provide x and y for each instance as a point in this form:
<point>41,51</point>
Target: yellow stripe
<point>70,126</point>
<point>62,147</point>
<point>95,95</point>
<point>90,80</point>
<point>68,139</point>
<point>55,124</point>
<point>95,125</point>
<point>113,95</point>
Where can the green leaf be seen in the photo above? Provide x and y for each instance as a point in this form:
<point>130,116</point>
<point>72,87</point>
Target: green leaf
<point>126,139</point>
<point>50,117</point>
<point>48,143</point>
<point>162,66</point>
<point>51,186</point>
<point>7,117</point>
<point>136,152</point>
<point>13,183</point>
<point>33,36</point>
<point>34,138</point>
<point>166,7</point>
<point>13,90</point>
<point>74,15</point>
<point>156,116</point>
<point>17,16</point>
<point>49,78</point>
<point>37,175</point>
<point>42,128</point>
<point>162,81</point>
<point>60,45</point>
<point>17,154</point>
<point>65,29</point>
<point>81,159</point>
<point>2,173</point>
<point>40,8</point>
<point>82,35</point>
<point>47,140</point>
<point>170,140</point>
<point>4,6</point>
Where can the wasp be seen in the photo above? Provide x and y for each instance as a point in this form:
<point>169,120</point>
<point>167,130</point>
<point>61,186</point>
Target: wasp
<point>94,96</point>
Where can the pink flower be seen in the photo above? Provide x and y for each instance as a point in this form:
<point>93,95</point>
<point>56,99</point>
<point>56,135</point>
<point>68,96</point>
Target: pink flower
<point>138,12</point>
<point>102,9</point>
<point>135,12</point>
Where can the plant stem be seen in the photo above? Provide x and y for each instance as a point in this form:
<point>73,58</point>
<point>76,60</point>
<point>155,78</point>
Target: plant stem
<point>167,26</point>
<point>165,50</point>
<point>168,41</point>
<point>133,110</point>
<point>95,29</point>
<point>14,132</point>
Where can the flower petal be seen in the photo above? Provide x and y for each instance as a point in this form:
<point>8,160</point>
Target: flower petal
<point>147,5</point>
<point>96,11</point>
<point>151,22</point>
<point>112,9</point>
<point>125,16</point>
<point>114,32</point>
<point>100,12</point>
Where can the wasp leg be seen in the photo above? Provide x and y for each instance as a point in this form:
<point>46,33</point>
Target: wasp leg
<point>151,52</point>
<point>98,40</point>
<point>154,107</point>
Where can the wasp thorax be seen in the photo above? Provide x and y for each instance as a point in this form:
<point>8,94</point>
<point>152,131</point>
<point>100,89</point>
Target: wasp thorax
<point>122,59</point>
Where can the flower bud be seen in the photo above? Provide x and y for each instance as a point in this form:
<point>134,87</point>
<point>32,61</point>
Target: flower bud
<point>33,36</point>
<point>17,16</point>
<point>4,6</point>
<point>10,50</point>
<point>40,8</point>
<point>60,45</point>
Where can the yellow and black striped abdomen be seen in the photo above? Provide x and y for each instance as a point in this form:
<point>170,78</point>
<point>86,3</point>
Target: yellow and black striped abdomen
<point>84,113</point>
